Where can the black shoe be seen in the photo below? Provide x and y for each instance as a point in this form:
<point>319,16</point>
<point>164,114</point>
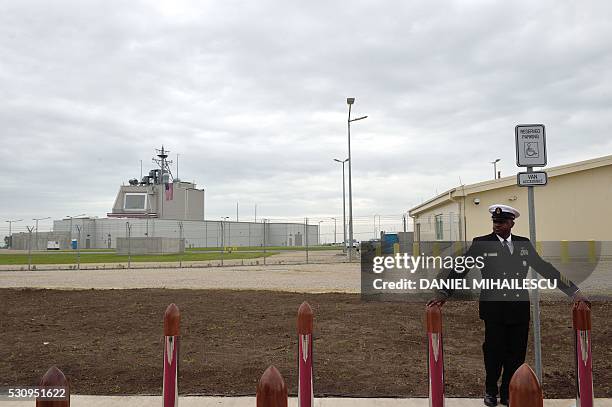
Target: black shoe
<point>490,401</point>
<point>503,400</point>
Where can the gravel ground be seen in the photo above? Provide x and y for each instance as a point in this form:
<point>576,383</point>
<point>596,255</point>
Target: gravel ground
<point>314,278</point>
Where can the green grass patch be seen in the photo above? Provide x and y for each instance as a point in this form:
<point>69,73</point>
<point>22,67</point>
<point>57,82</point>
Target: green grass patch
<point>260,248</point>
<point>71,258</point>
<point>82,249</point>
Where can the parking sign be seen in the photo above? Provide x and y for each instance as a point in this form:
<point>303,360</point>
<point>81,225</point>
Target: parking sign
<point>530,145</point>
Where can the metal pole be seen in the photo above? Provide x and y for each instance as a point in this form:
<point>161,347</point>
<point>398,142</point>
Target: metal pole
<point>29,247</point>
<point>535,304</point>
<point>343,208</point>
<point>350,188</point>
<point>334,230</point>
<point>180,240</point>
<point>264,241</point>
<point>222,240</point>
<point>79,248</point>
<point>129,233</point>
<point>37,248</point>
<point>10,222</point>
<point>306,238</point>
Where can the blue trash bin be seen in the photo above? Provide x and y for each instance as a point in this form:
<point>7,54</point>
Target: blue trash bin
<point>74,244</point>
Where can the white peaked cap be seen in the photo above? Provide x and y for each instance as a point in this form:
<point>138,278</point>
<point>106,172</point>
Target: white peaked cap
<point>498,209</point>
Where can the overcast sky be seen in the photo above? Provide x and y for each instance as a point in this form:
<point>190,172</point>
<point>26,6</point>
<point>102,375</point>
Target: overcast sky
<point>252,96</point>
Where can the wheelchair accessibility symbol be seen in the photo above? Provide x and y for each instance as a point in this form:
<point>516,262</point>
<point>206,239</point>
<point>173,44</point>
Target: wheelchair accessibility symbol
<point>531,150</point>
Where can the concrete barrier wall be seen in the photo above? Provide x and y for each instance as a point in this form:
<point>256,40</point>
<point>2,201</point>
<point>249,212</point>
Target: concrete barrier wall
<point>150,245</point>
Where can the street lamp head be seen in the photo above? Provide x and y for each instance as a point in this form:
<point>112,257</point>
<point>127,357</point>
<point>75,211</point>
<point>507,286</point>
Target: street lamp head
<point>350,101</point>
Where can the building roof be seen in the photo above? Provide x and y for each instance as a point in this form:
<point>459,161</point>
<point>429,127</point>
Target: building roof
<point>464,190</point>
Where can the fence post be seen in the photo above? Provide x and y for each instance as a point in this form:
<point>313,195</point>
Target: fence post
<point>581,315</point>
<point>54,378</point>
<point>306,237</point>
<point>525,390</point>
<point>79,248</point>
<point>271,389</point>
<point>30,229</point>
<point>305,371</point>
<point>172,321</point>
<point>435,356</point>
<point>180,224</point>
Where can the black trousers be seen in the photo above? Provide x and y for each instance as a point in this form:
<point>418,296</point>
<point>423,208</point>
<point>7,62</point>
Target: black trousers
<point>504,350</point>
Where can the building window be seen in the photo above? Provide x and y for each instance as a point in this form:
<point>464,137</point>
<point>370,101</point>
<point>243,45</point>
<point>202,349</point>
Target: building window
<point>135,201</point>
<point>439,227</point>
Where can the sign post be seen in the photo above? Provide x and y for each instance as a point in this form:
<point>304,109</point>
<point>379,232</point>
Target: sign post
<point>531,152</point>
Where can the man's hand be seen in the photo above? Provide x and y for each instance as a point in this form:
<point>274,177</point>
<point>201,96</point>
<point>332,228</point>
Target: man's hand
<point>438,300</point>
<point>579,297</point>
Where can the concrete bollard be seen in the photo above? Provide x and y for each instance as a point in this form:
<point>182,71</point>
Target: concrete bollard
<point>435,356</point>
<point>305,365</point>
<point>271,389</point>
<point>592,251</point>
<point>396,248</point>
<point>172,322</point>
<point>525,390</point>
<point>564,251</point>
<point>581,315</point>
<point>435,250</point>
<point>416,249</point>
<point>54,379</point>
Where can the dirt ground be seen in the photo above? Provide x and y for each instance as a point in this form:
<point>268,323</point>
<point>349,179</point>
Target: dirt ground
<point>110,342</point>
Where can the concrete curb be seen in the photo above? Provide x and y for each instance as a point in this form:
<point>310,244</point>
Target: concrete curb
<point>196,401</point>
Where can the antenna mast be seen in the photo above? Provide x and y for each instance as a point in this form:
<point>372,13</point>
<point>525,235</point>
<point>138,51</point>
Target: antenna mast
<point>164,164</point>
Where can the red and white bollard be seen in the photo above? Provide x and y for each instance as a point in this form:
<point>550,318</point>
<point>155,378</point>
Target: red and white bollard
<point>56,385</point>
<point>271,389</point>
<point>435,356</point>
<point>172,321</point>
<point>305,371</point>
<point>525,389</point>
<point>581,314</point>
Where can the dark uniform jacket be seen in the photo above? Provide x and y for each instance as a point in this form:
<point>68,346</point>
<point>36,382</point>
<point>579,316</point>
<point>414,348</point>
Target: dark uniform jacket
<point>510,306</point>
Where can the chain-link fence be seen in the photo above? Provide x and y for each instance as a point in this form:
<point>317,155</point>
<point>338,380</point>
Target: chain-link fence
<point>84,242</point>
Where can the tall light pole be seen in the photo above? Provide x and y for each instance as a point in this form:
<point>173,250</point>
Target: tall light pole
<point>495,167</point>
<point>343,204</point>
<point>224,220</point>
<point>350,102</point>
<point>72,217</point>
<point>10,222</point>
<point>37,219</point>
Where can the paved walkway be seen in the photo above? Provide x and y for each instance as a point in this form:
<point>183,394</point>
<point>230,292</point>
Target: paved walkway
<point>148,401</point>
